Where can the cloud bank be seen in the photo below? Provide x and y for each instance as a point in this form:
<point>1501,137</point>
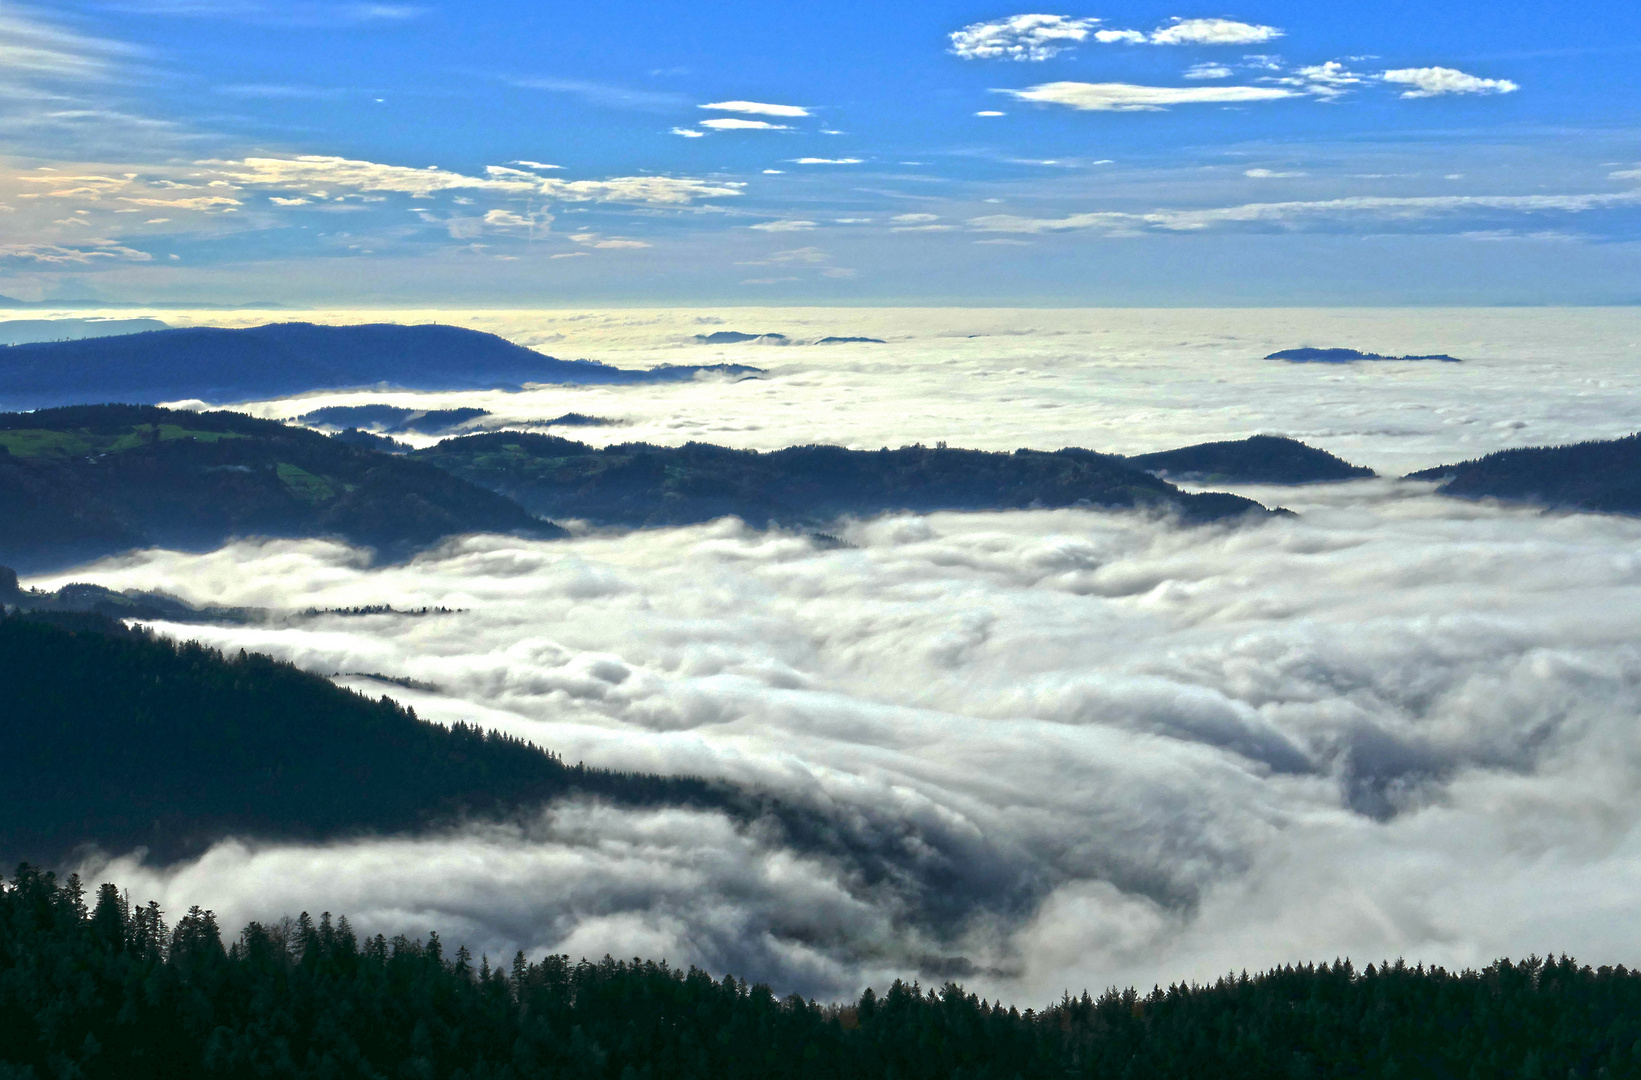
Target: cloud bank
<point>1046,749</point>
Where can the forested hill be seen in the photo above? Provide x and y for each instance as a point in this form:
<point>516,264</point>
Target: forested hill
<point>636,484</point>
<point>94,987</point>
<point>1603,476</point>
<point>82,482</point>
<point>118,738</point>
<point>1260,459</point>
<point>219,365</point>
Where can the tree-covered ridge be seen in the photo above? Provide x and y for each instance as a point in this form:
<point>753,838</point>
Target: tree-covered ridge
<point>1600,475</point>
<point>217,364</point>
<point>637,484</point>
<point>122,739</point>
<point>1259,459</point>
<point>80,482</point>
<point>99,987</point>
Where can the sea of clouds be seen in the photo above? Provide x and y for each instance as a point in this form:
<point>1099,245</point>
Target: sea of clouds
<point>1039,750</point>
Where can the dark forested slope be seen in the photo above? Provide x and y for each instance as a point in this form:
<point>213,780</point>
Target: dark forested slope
<point>216,364</point>
<point>1603,476</point>
<point>122,739</point>
<point>638,484</point>
<point>1261,459</point>
<point>85,481</point>
<point>95,988</point>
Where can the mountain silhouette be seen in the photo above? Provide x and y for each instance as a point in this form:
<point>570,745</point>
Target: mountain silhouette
<point>219,365</point>
<point>1261,459</point>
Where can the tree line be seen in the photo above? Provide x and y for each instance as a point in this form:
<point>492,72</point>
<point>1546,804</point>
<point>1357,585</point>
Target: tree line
<point>99,986</point>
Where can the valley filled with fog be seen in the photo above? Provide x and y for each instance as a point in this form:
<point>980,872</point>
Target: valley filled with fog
<point>1045,749</point>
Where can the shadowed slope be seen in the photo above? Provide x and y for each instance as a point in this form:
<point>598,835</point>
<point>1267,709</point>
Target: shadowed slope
<point>1603,476</point>
<point>87,481</point>
<point>1262,459</point>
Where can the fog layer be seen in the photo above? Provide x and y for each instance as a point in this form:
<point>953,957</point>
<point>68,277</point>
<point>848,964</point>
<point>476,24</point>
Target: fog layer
<point>1089,748</point>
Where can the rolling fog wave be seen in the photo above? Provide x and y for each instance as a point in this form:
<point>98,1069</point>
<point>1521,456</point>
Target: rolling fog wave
<point>1041,749</point>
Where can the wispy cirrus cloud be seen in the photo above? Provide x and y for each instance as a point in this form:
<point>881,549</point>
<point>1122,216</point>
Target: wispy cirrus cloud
<point>789,225</point>
<point>757,108</point>
<point>1298,215</point>
<point>735,123</point>
<point>320,174</point>
<point>34,50</point>
<point>90,251</point>
<point>1128,97</point>
<point>607,95</point>
<point>304,13</point>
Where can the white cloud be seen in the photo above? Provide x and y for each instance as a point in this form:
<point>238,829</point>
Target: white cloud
<point>1436,81</point>
<point>294,13</point>
<point>1208,71</point>
<point>1127,37</point>
<point>508,219</point>
<point>689,133</point>
<point>1625,174</point>
<point>810,255</point>
<point>1328,80</point>
<point>730,123</point>
<point>1020,37</point>
<point>774,172</point>
<point>312,173</point>
<point>1269,174</point>
<point>783,226</point>
<point>607,243</point>
<point>757,108</point>
<point>55,255</point>
<point>1213,32</point>
<point>1126,97</point>
<point>535,165</point>
<point>990,112</point>
<point>1301,214</point>
<point>206,203</point>
<point>827,161</point>
<point>912,219</point>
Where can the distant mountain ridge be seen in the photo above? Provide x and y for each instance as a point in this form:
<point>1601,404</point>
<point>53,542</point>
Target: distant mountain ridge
<point>1602,476</point>
<point>1310,355</point>
<point>639,485</point>
<point>27,331</point>
<point>219,365</point>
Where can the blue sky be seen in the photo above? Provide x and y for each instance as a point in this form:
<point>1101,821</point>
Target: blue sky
<point>545,153</point>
